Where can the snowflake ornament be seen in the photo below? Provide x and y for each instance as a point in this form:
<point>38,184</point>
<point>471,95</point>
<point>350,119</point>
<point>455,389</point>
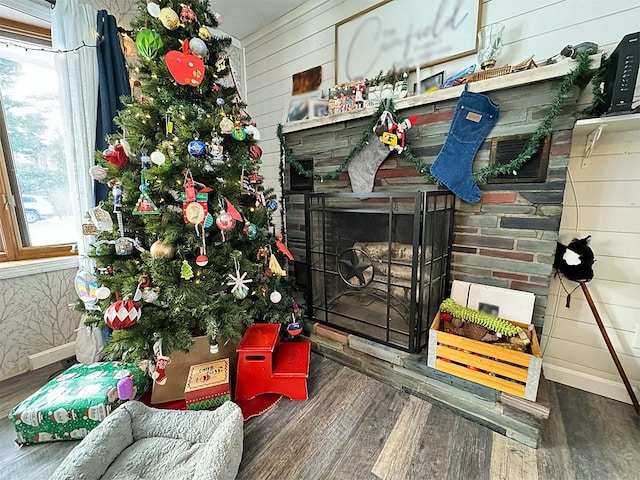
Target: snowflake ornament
<point>239,282</point>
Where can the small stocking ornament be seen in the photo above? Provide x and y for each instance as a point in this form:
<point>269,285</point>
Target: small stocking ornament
<point>159,375</point>
<point>473,119</point>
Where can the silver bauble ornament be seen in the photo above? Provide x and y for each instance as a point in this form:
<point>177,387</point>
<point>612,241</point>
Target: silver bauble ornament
<point>198,47</point>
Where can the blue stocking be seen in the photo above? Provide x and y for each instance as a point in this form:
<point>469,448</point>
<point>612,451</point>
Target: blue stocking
<point>473,119</point>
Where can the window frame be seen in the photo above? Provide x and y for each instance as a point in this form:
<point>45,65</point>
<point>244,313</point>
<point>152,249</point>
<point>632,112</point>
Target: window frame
<point>11,248</point>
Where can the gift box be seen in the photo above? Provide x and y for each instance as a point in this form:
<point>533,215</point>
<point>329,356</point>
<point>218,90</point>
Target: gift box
<point>177,370</point>
<point>74,402</point>
<point>207,385</point>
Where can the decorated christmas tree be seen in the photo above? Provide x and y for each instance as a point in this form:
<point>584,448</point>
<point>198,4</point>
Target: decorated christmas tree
<point>186,245</point>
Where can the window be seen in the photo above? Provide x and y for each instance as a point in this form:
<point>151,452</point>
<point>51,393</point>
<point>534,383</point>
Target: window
<point>36,219</point>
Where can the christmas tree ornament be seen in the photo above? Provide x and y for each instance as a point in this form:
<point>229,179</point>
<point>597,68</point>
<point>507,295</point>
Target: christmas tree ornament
<point>220,101</point>
<point>226,126</point>
<point>159,249</point>
<point>275,296</point>
<point>256,179</point>
<point>202,260</point>
<point>251,230</point>
<point>149,43</point>
<point>240,290</point>
<point>116,156</point>
<point>215,147</point>
<point>213,346</point>
<point>86,286</point>
<point>187,15</point>
<point>263,253</point>
<point>98,173</point>
<point>225,222</point>
<point>124,246</point>
<point>294,328</point>
<point>159,374</point>
<point>275,267</point>
<point>272,205</point>
<point>158,158</point>
<point>238,132</point>
<point>194,203</point>
<point>204,33</point>
<point>218,18</point>
<point>150,295</point>
<point>127,147</point>
<point>186,272</point>
<point>198,47</point>
<point>282,247</point>
<point>221,63</point>
<point>169,18</point>
<point>144,205</point>
<point>122,314</point>
<point>255,152</point>
<point>102,293</point>
<point>101,219</point>
<point>253,131</point>
<point>197,148</point>
<point>208,221</point>
<point>153,9</point>
<point>185,68</point>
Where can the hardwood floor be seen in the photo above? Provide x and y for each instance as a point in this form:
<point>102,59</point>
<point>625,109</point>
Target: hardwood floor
<point>353,427</point>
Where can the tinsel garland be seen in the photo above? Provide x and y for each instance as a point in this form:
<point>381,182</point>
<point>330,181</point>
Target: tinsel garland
<point>569,81</point>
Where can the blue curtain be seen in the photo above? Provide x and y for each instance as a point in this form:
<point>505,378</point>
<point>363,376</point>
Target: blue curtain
<point>113,83</point>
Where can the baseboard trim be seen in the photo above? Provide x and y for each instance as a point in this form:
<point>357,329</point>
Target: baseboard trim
<point>53,355</point>
<point>588,383</point>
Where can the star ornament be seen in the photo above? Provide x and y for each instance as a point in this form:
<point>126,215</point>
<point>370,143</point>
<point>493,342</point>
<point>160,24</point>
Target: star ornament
<point>239,282</point>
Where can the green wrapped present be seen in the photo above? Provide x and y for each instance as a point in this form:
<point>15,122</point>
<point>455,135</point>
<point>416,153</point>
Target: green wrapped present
<point>74,402</point>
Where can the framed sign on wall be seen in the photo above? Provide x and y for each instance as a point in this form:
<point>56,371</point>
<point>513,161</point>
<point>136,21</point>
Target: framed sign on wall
<point>405,34</point>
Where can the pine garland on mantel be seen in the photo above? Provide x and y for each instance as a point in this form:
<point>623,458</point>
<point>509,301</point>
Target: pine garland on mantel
<point>564,92</point>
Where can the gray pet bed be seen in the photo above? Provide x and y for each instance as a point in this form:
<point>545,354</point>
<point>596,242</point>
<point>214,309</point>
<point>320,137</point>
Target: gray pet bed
<point>140,442</point>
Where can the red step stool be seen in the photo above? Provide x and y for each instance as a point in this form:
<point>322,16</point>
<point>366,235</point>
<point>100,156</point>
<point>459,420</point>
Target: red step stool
<point>265,365</point>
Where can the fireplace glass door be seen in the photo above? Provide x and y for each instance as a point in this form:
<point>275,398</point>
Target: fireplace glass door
<point>378,263</point>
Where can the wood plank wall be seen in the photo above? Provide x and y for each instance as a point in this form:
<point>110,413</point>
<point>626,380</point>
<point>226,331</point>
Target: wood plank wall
<point>602,199</point>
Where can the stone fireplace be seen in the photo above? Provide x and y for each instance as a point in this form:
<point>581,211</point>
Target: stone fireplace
<point>507,239</point>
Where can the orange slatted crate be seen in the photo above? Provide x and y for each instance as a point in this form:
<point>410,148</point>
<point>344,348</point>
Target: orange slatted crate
<point>509,371</point>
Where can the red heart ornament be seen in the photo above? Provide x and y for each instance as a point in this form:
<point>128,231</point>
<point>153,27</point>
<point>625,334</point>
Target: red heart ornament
<point>186,69</point>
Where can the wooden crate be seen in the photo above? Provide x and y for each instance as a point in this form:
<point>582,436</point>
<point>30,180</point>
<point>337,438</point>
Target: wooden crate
<point>496,367</point>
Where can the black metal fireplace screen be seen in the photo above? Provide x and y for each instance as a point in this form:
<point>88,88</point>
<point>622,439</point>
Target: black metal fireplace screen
<point>378,263</point>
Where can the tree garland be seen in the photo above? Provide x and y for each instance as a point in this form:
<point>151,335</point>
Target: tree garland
<point>569,81</point>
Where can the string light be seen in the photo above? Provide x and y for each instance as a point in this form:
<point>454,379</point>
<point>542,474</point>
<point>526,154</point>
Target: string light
<point>44,49</point>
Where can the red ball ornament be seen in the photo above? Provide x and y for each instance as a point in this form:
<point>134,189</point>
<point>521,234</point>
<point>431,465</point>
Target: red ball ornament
<point>225,222</point>
<point>255,152</point>
<point>122,314</point>
<point>202,260</point>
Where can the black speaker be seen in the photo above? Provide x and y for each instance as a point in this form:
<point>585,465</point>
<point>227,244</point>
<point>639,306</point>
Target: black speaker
<point>621,75</point>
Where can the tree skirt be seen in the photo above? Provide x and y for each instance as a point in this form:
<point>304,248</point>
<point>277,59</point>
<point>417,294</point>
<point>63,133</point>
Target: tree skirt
<point>250,408</point>
<point>258,405</point>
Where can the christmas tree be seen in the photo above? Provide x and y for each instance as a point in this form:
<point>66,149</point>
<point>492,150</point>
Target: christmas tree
<point>187,245</point>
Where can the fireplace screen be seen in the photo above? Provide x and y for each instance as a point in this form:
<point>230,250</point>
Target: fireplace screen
<point>378,263</point>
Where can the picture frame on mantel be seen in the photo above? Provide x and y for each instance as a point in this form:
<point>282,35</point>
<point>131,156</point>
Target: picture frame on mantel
<point>403,35</point>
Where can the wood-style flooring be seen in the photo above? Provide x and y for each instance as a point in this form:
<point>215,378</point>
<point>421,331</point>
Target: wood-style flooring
<point>354,427</point>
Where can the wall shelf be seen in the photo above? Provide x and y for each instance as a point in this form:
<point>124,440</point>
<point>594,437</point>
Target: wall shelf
<point>593,128</point>
<point>619,123</point>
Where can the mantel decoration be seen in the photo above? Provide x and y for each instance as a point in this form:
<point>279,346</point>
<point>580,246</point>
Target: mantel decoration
<point>572,79</point>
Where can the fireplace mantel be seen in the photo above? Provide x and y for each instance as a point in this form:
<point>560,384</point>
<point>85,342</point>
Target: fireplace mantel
<point>498,83</point>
